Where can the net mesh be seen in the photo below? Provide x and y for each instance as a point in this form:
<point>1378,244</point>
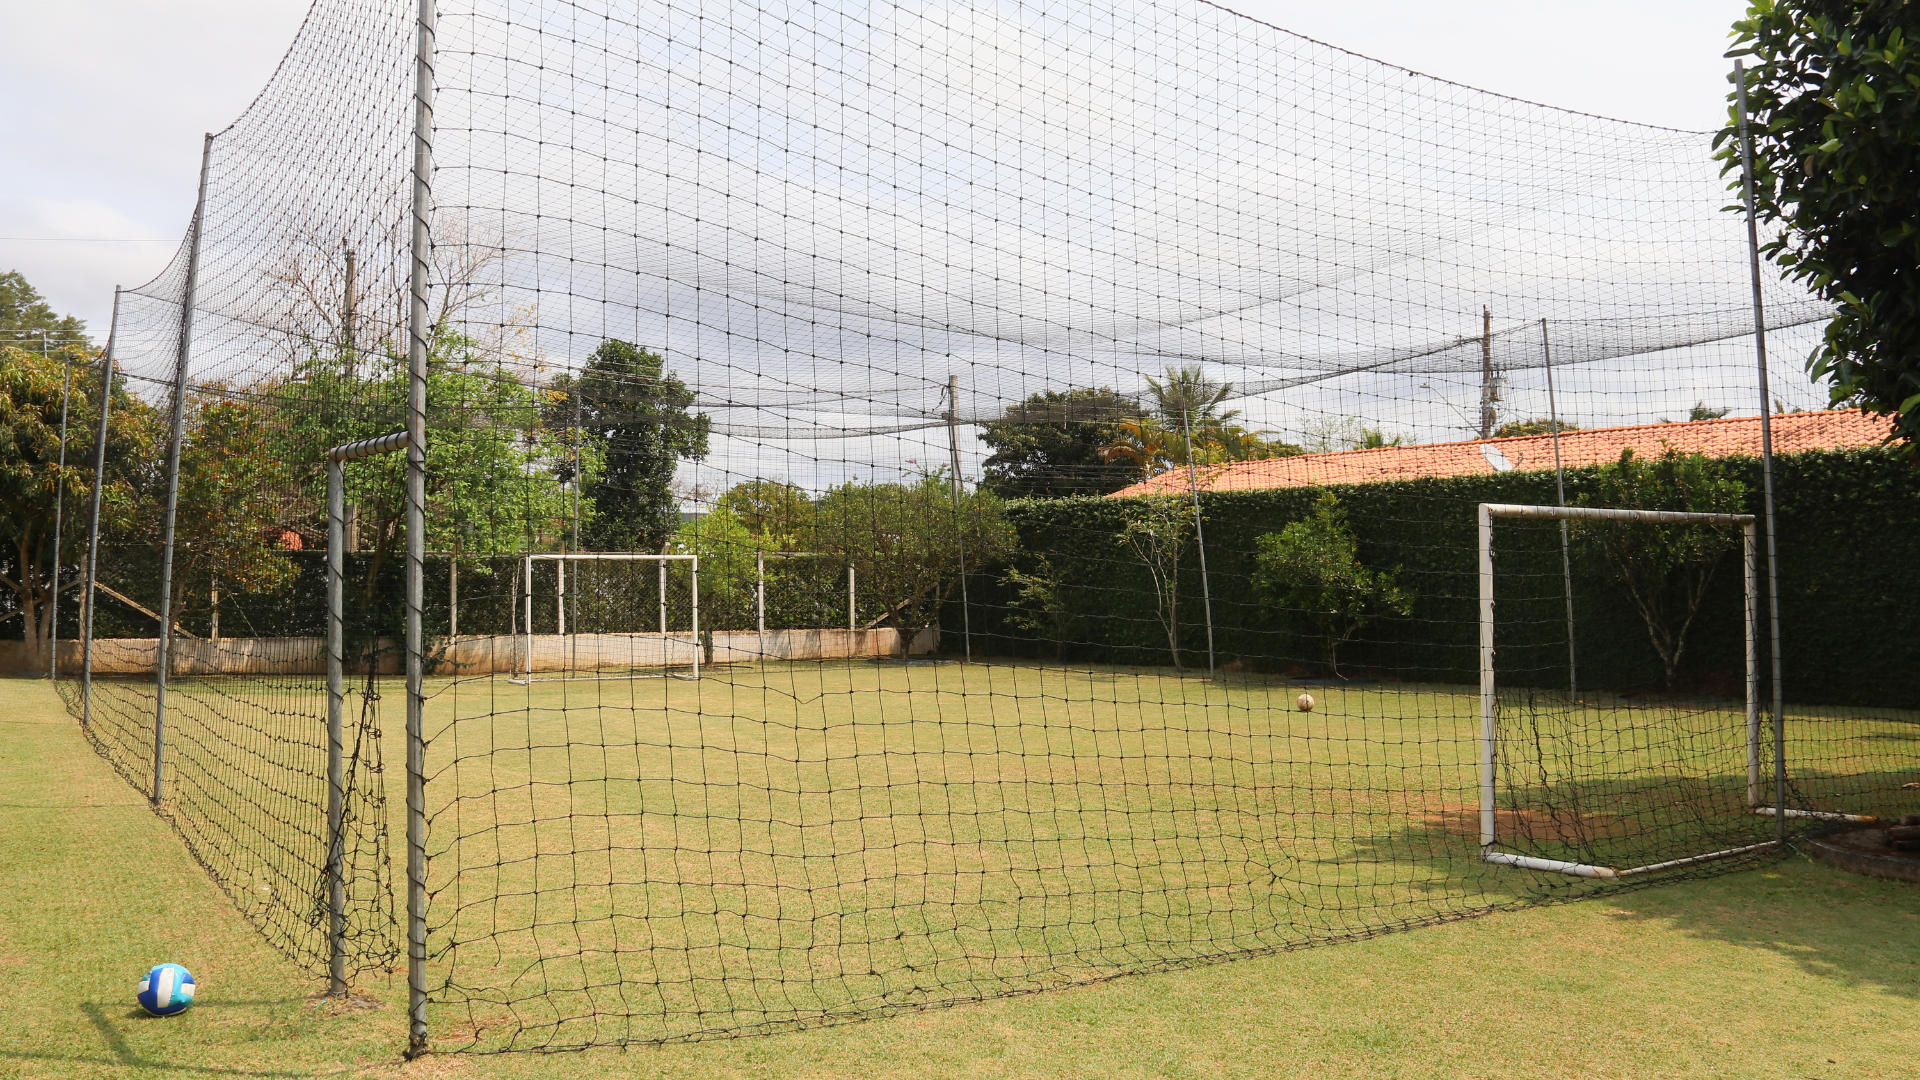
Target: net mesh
<point>842,299</point>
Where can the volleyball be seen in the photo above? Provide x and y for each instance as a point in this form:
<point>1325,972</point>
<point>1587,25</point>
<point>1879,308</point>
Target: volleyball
<point>166,990</point>
<point>1304,703</point>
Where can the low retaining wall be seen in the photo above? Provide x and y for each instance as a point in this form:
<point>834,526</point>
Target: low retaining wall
<point>194,656</point>
<point>481,655</point>
<point>587,652</point>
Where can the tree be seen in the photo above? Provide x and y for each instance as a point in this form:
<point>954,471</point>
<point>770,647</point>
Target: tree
<point>1312,571</point>
<point>1538,426</point>
<point>636,417</point>
<point>778,514</point>
<point>1665,568</point>
<point>906,544</point>
<point>489,490</point>
<point>726,548</point>
<point>1700,411</point>
<point>1143,446</point>
<point>1039,603</point>
<point>1834,105</point>
<point>1189,395</point>
<point>25,316</point>
<point>1157,529</point>
<point>237,501</point>
<point>1187,428</point>
<point>1334,433</point>
<point>1049,445</point>
<point>31,480</point>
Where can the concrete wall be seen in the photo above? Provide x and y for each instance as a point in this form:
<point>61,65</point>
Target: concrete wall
<point>482,655</point>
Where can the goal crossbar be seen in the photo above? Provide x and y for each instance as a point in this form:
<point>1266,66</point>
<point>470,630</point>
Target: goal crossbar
<point>1489,705</point>
<point>560,605</point>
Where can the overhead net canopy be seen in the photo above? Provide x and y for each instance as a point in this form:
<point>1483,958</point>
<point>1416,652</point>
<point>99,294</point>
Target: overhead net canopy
<point>815,305</point>
<point>818,212</point>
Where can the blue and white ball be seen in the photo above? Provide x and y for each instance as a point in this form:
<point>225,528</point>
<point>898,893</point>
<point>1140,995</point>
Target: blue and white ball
<point>166,990</point>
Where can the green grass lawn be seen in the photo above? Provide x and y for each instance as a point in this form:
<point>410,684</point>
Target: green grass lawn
<point>1793,969</point>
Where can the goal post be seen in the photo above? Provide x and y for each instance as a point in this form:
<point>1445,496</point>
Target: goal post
<point>626,652</point>
<point>1489,687</point>
<point>760,586</point>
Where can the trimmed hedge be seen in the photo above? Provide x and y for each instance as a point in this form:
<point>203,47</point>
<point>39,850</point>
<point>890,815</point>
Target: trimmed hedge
<point>1850,575</point>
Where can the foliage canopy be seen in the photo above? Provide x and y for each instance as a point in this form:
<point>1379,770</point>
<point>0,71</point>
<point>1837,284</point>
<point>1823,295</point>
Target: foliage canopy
<point>1311,570</point>
<point>1665,569</point>
<point>1834,105</point>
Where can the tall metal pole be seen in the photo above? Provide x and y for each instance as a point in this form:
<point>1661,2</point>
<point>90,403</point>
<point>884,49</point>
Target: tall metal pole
<point>93,518</point>
<point>336,722</point>
<point>1199,534</point>
<point>162,655</point>
<point>959,526</point>
<point>1766,461</point>
<point>59,509</point>
<point>1560,482</point>
<point>420,329</point>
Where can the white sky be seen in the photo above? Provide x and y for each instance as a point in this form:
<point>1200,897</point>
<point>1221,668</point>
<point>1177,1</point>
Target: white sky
<point>108,98</point>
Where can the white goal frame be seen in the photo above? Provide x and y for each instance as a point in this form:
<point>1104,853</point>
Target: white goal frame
<point>561,560</point>
<point>1489,706</point>
<point>760,586</point>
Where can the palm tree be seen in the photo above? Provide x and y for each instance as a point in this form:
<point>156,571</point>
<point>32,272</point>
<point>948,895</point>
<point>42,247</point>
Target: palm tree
<point>1189,396</point>
<point>1143,443</point>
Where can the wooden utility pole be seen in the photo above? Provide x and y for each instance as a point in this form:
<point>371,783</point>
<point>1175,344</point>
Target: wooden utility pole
<point>1489,387</point>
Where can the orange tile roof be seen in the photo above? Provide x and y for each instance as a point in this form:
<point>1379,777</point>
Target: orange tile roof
<point>1731,437</point>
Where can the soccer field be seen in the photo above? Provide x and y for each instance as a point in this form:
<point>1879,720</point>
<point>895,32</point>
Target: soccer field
<point>1665,979</point>
<point>784,845</point>
<point>637,859</point>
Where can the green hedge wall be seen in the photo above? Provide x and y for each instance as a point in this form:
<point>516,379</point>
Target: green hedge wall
<point>1850,577</point>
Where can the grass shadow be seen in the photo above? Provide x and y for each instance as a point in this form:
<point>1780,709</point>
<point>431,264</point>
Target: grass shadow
<point>1857,931</point>
<point>121,1052</point>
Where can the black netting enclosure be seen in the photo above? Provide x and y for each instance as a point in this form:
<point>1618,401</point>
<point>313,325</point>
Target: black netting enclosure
<point>669,521</point>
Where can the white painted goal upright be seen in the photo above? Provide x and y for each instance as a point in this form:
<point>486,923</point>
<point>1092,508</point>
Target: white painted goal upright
<point>610,615</point>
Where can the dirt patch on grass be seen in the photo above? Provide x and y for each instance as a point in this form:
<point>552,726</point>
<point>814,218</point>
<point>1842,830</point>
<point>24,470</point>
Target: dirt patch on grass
<point>1537,826</point>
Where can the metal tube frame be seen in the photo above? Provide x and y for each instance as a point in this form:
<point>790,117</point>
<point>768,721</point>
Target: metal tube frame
<point>1489,704</point>
<point>93,519</point>
<point>163,653</point>
<point>561,559</point>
